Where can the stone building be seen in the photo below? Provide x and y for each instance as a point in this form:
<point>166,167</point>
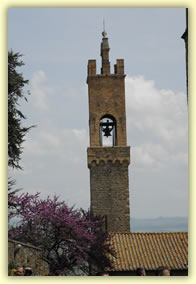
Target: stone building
<point>108,154</point>
<point>22,254</point>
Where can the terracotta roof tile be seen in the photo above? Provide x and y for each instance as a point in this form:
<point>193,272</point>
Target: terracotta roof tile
<point>149,250</point>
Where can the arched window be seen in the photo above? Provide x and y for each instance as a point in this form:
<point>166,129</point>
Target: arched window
<point>108,131</point>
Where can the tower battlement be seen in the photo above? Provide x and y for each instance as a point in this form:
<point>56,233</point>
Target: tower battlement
<point>108,155</point>
<point>118,68</point>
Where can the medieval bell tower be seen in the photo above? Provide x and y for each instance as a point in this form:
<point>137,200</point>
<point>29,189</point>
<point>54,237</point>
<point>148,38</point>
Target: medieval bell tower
<point>108,154</point>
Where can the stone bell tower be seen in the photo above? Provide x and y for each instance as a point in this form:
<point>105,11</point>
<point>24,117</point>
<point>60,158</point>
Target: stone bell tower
<point>108,154</point>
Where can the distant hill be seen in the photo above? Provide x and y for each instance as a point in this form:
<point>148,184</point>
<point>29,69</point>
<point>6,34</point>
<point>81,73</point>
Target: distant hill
<point>161,224</point>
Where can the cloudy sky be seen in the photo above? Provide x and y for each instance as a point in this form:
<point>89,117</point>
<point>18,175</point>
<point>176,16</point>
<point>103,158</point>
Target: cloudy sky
<point>56,44</point>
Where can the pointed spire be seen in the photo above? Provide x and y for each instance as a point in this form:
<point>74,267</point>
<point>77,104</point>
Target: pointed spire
<point>104,34</point>
<point>105,69</point>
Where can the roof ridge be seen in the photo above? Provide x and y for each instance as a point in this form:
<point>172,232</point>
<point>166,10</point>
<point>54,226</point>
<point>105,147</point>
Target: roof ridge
<point>147,233</point>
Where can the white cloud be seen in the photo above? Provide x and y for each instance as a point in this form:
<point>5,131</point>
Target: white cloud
<point>50,140</point>
<point>38,78</point>
<point>157,126</point>
<point>180,158</point>
<point>72,92</point>
<point>32,146</point>
<point>149,155</point>
<point>65,144</point>
<point>142,95</point>
<point>157,123</point>
<point>40,91</point>
<point>75,145</point>
<point>81,135</point>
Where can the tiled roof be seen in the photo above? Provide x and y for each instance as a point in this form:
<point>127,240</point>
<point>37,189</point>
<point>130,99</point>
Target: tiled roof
<point>149,250</point>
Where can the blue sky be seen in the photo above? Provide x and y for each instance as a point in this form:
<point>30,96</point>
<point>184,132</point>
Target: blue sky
<point>56,44</point>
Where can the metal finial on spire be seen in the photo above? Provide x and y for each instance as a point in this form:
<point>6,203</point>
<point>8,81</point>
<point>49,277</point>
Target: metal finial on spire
<point>104,34</point>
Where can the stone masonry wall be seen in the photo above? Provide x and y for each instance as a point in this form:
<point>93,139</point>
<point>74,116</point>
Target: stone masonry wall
<point>106,97</point>
<point>110,185</point>
<point>26,255</point>
<point>110,194</point>
<point>106,154</point>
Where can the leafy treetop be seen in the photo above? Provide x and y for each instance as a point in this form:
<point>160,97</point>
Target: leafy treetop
<point>16,131</point>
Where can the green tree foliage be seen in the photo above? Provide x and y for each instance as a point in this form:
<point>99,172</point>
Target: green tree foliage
<point>16,131</point>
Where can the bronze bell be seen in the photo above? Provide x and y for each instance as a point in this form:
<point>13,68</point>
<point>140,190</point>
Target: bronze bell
<point>107,131</point>
<point>107,128</point>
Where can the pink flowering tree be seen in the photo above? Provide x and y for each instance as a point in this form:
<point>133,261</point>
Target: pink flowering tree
<point>69,238</point>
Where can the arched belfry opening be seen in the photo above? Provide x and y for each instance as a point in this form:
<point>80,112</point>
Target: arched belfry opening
<point>107,126</point>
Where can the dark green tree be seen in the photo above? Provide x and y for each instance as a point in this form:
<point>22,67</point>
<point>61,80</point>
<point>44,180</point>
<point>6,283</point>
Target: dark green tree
<point>16,131</point>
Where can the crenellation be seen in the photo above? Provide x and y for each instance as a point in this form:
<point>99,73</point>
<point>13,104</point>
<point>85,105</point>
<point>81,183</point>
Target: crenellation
<point>91,67</point>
